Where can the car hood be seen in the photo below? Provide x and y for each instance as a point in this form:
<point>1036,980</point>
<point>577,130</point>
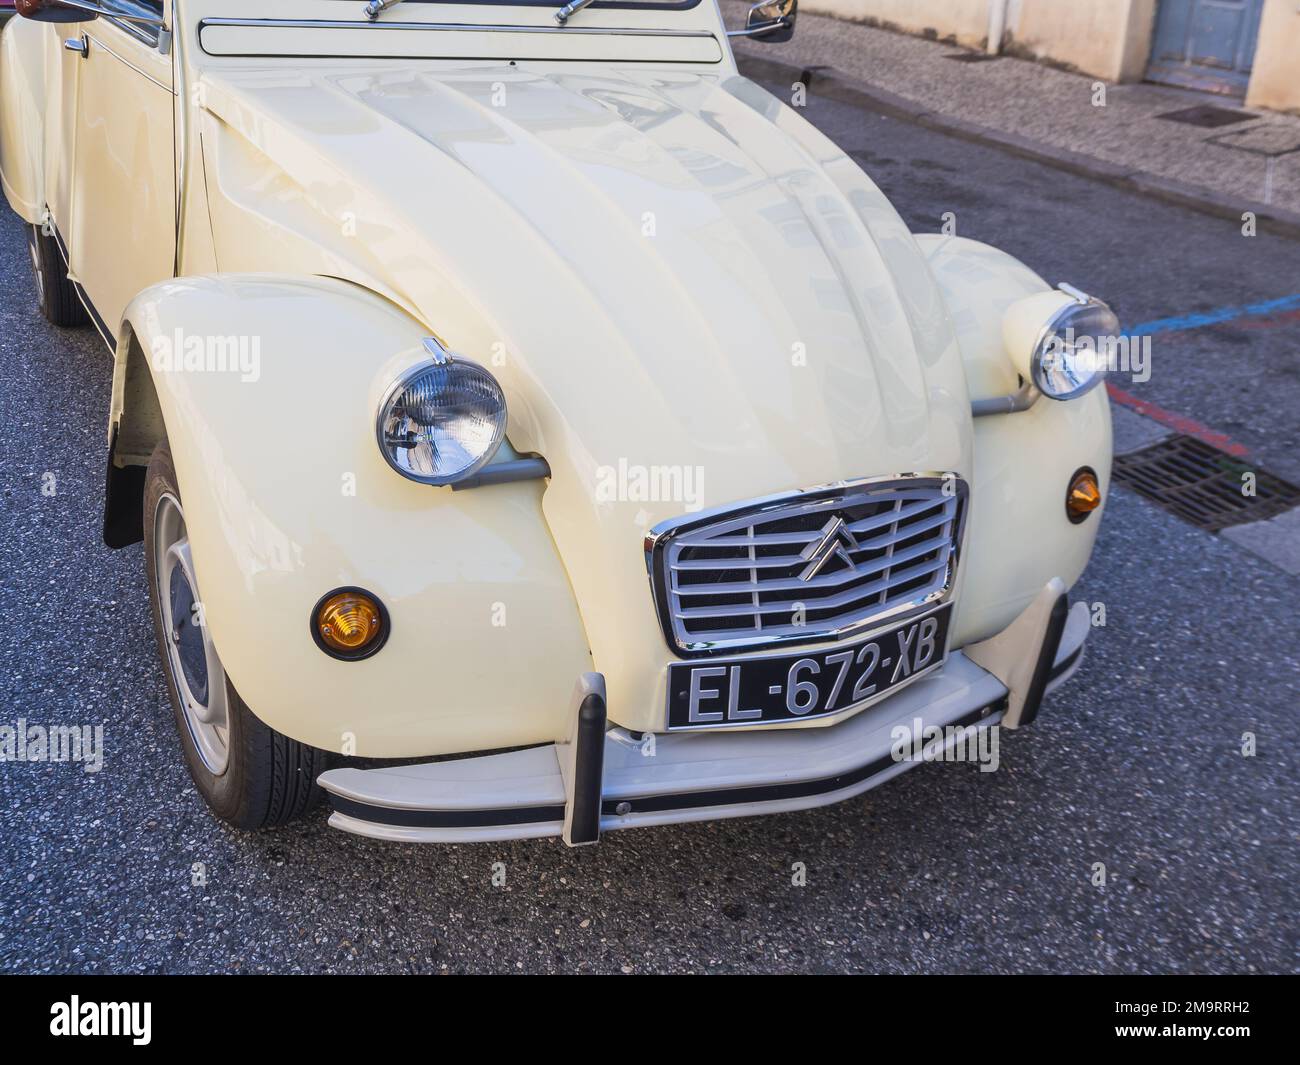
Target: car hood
<point>691,297</point>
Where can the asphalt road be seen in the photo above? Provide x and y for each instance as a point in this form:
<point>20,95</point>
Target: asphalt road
<point>1136,764</point>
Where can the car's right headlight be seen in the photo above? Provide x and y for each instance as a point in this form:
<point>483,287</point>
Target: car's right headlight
<point>442,420</point>
<point>1061,341</point>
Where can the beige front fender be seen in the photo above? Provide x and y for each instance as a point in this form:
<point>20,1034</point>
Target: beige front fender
<point>1020,536</point>
<point>268,387</point>
<point>979,282</point>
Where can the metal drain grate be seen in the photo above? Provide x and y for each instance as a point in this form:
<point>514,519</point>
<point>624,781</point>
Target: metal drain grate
<point>1208,116</point>
<point>1202,484</point>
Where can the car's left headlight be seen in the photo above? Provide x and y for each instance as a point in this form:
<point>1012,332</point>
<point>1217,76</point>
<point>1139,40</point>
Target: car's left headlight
<point>1061,341</point>
<point>442,420</point>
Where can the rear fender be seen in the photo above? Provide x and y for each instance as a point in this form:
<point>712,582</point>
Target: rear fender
<point>22,118</point>
<point>267,388</point>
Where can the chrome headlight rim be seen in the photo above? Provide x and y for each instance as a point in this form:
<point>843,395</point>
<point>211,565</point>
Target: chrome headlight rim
<point>439,357</point>
<point>1079,303</point>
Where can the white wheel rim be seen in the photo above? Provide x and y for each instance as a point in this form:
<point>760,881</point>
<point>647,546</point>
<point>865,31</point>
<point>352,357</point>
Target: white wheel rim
<point>191,657</point>
<point>36,268</point>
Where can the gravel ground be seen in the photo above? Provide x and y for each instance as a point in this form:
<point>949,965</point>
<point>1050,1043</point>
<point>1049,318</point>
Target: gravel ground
<point>1136,764</point>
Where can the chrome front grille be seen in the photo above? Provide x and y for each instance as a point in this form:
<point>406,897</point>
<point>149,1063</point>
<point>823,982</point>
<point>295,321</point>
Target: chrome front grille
<point>812,566</point>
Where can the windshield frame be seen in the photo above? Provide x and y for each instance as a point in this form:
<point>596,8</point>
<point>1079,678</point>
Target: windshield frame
<point>596,5</point>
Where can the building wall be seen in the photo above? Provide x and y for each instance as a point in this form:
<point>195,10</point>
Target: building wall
<point>1108,38</point>
<point>1275,80</point>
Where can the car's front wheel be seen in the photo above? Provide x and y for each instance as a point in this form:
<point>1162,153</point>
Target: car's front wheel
<point>55,293</point>
<point>251,775</point>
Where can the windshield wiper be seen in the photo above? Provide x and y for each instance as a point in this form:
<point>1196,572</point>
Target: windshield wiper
<point>377,7</point>
<point>571,8</point>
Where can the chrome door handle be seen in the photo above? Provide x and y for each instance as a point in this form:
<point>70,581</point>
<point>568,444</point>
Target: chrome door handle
<point>77,44</point>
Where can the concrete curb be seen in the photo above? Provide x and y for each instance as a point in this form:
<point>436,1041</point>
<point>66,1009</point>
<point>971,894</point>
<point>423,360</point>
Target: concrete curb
<point>830,83</point>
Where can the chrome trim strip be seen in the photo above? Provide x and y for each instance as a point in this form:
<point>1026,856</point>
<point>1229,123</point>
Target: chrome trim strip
<point>184,120</point>
<point>658,538</point>
<point>101,326</point>
<point>769,502</point>
<point>761,30</point>
<point>99,43</point>
<point>120,16</point>
<point>133,30</point>
<point>96,319</point>
<point>336,24</point>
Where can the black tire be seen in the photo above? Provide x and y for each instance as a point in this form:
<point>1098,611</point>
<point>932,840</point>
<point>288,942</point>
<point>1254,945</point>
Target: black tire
<point>55,294</point>
<point>269,779</point>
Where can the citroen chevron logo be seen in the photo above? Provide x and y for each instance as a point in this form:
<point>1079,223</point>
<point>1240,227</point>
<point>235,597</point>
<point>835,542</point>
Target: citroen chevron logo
<point>834,541</point>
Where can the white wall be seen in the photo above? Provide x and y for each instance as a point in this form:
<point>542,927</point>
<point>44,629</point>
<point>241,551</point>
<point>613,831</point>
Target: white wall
<point>1108,38</point>
<point>1275,81</point>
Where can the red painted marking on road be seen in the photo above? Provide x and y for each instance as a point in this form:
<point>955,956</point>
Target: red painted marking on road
<point>1179,423</point>
<point>1290,318</point>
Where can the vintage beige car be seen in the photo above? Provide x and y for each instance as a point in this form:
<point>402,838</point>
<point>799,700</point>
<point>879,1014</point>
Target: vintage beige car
<point>520,399</point>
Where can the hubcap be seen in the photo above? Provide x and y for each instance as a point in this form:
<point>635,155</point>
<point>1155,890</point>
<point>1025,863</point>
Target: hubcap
<point>191,657</point>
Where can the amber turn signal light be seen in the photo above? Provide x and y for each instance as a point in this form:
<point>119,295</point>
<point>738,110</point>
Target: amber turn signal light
<point>1083,497</point>
<point>349,623</point>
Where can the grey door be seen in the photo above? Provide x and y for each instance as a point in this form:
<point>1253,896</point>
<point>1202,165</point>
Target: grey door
<point>1205,44</point>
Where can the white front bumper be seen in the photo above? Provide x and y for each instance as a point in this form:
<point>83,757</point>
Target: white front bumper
<point>694,776</point>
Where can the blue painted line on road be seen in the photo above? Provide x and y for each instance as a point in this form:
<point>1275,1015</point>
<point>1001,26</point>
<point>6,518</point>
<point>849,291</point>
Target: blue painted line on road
<point>1264,309</point>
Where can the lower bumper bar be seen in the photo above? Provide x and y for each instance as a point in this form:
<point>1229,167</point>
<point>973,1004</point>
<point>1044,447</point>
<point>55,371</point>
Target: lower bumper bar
<point>693,776</point>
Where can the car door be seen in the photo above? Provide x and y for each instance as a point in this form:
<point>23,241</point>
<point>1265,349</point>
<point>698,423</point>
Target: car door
<point>122,235</point>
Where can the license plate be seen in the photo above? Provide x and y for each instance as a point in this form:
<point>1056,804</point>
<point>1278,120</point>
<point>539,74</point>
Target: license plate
<point>796,687</point>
